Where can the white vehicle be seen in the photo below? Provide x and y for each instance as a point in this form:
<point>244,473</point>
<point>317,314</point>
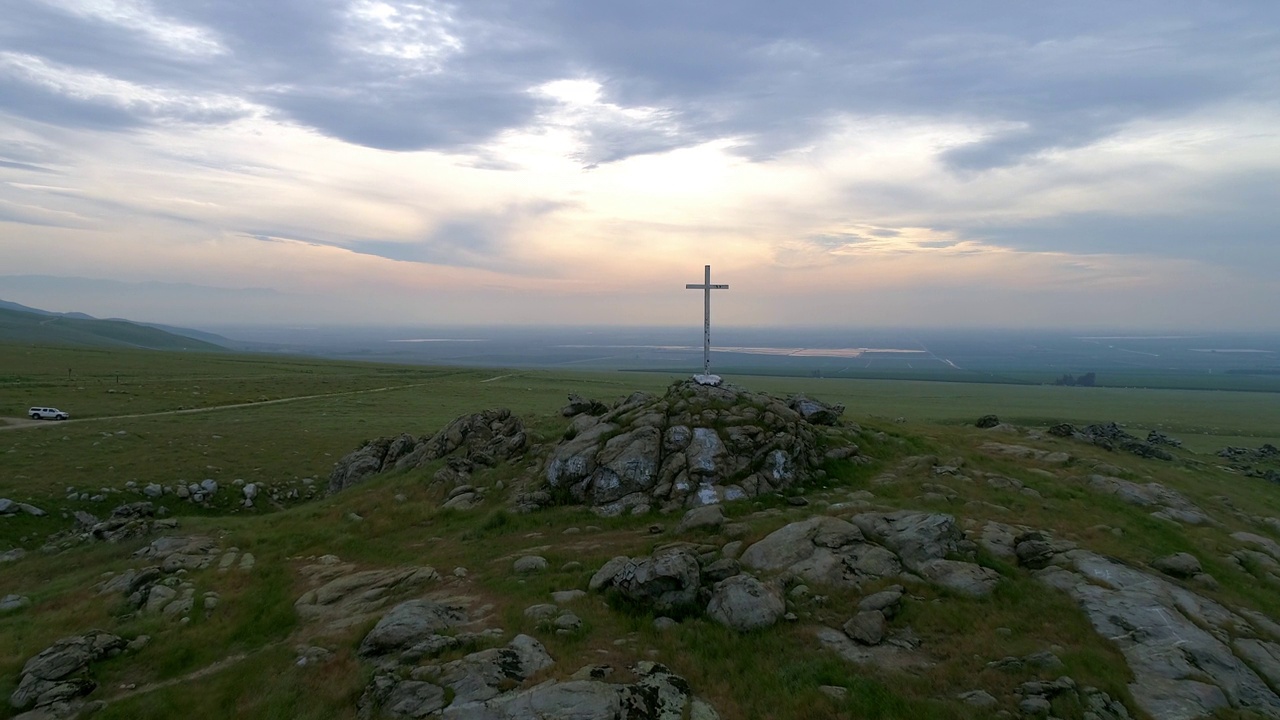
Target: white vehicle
<point>47,413</point>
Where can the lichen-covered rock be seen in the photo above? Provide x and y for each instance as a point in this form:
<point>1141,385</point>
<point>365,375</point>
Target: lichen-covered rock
<point>667,581</point>
<point>696,445</point>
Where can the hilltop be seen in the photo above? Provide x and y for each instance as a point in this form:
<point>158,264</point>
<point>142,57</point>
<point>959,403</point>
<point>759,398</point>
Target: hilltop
<point>481,545</point>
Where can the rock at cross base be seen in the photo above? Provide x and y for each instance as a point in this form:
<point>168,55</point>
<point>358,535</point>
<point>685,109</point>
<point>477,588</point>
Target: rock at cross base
<point>695,445</point>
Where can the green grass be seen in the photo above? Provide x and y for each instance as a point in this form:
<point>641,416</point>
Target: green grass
<point>329,408</point>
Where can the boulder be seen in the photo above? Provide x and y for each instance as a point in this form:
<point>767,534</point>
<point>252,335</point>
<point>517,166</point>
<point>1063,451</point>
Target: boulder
<point>867,627</point>
<point>530,564</point>
<point>743,603</point>
<point>667,581</point>
<point>814,411</point>
<point>1179,565</point>
<point>707,516</point>
<point>987,422</point>
<point>409,623</point>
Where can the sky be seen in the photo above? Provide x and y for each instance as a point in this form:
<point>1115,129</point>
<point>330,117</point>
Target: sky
<point>838,163</point>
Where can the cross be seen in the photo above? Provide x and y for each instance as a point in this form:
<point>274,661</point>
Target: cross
<point>706,287</point>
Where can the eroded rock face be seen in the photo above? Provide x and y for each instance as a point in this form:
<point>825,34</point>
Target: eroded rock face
<point>696,445</point>
<point>344,596</point>
<point>1178,644</point>
<point>60,673</point>
<point>1164,502</point>
<point>482,438</point>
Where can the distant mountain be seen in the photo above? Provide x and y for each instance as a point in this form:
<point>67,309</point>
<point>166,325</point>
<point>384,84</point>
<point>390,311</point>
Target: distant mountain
<point>6,305</point>
<point>21,324</point>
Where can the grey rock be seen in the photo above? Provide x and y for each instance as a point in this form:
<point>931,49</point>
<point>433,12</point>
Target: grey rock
<point>1035,706</point>
<point>530,564</point>
<point>568,622</point>
<point>564,596</point>
<point>1181,669</point>
<point>979,699</point>
<point>603,577</point>
<point>697,445</point>
<point>153,490</point>
<point>867,627</point>
<point>706,516</point>
<point>1179,565</point>
<point>915,536</point>
<point>721,569</point>
<point>409,623</point>
<point>10,603</point>
<point>657,695</point>
<point>541,611</point>
<point>59,672</point>
<point>964,578</point>
<point>12,555</point>
<point>886,601</point>
<point>485,674</point>
<point>743,603</point>
<point>814,411</point>
<point>668,581</point>
<point>343,598</point>
<point>822,550</point>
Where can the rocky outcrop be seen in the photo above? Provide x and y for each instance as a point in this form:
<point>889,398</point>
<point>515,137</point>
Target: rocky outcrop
<point>872,546</point>
<point>57,677</point>
<point>343,596</point>
<point>1190,656</point>
<point>488,685</point>
<point>823,550</point>
<point>696,445</point>
<point>1110,436</point>
<point>480,439</point>
<point>1164,503</point>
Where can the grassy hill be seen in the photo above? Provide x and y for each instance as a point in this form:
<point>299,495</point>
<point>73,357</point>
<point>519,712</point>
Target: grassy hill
<point>144,418</point>
<point>21,326</point>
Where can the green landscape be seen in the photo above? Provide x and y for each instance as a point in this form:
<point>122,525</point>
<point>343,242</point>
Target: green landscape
<point>142,417</point>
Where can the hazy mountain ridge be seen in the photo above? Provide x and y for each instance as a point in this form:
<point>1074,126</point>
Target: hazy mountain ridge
<point>21,324</point>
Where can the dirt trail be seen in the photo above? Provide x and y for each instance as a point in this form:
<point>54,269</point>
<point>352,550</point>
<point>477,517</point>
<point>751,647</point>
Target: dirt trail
<point>14,423</point>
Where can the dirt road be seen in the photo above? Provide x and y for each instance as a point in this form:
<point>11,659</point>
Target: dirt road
<point>17,423</point>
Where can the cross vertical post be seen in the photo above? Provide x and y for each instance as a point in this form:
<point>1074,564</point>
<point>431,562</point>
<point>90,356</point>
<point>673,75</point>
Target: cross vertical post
<point>706,287</point>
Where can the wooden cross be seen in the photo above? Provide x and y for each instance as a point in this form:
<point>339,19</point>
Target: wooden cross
<point>706,287</point>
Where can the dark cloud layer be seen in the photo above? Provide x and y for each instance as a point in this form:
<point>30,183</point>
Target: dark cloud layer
<point>1064,74</point>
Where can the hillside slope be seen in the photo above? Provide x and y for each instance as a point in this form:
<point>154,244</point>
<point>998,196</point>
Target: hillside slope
<point>20,326</point>
<point>561,564</point>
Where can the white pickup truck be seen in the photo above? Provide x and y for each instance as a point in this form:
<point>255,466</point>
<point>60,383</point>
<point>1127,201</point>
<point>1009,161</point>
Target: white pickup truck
<point>47,413</point>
